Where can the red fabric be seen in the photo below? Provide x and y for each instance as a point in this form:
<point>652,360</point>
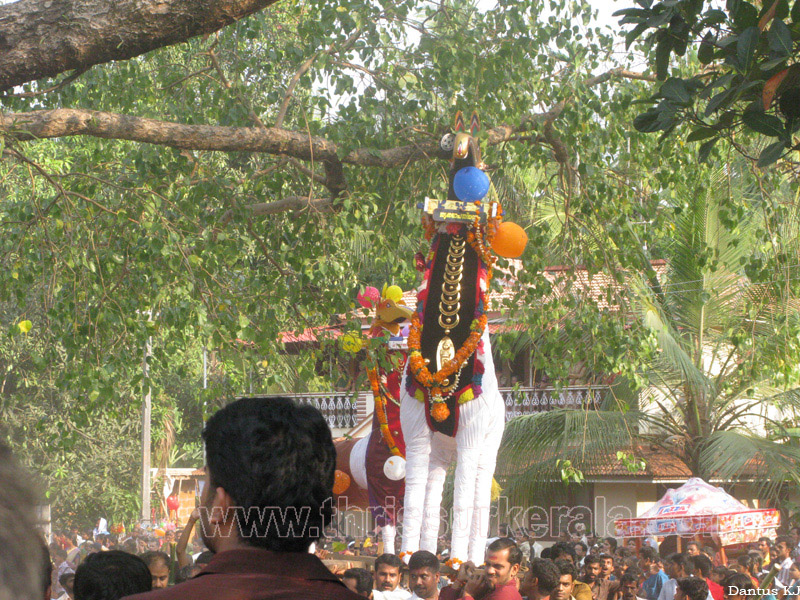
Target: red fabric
<point>717,591</point>
<point>255,574</point>
<point>508,591</point>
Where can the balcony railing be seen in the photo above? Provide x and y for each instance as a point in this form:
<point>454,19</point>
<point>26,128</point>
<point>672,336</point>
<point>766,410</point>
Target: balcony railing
<point>340,409</point>
<point>526,401</point>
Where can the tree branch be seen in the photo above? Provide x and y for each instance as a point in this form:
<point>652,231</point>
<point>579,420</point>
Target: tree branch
<point>278,206</point>
<point>42,38</point>
<point>287,98</point>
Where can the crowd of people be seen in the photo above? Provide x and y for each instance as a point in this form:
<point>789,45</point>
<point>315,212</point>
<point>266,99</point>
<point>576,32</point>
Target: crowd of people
<point>267,458</point>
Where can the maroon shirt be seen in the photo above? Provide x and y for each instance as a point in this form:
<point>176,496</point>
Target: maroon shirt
<point>256,574</point>
<point>502,592</point>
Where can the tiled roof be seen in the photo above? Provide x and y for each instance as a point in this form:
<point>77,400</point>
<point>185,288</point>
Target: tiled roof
<point>598,288</point>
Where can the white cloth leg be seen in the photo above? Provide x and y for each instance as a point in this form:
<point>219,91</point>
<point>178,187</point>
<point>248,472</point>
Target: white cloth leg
<point>443,451</point>
<point>463,500</point>
<point>417,436</point>
<point>483,485</point>
<point>388,534</point>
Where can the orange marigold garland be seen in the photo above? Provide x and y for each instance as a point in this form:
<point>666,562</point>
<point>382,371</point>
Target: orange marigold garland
<point>381,398</point>
<point>480,239</point>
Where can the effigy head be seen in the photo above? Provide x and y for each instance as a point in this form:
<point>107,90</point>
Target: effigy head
<point>446,339</point>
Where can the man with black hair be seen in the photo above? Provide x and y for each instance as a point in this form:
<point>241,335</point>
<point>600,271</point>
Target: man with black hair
<point>783,546</point>
<point>567,576</point>
<point>581,550</point>
<point>628,586</point>
<point>601,588</point>
<point>691,588</point>
<point>22,552</point>
<point>738,586</point>
<point>423,575</point>
<point>496,581</point>
<point>692,548</point>
<point>269,480</point>
<point>650,564</point>
<point>540,579</point>
<point>358,581</point>
<point>701,565</point>
<point>388,568</point>
<point>563,551</point>
<point>794,535</point>
<point>110,576</point>
<point>676,567</point>
<point>607,566</point>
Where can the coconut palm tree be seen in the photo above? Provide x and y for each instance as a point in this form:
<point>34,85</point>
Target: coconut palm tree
<point>719,379</point>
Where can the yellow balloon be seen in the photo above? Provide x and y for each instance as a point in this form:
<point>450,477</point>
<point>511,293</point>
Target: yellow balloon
<point>394,293</point>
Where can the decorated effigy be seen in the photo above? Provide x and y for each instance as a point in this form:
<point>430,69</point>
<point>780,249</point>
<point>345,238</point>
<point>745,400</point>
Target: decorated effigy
<point>370,471</point>
<point>451,407</point>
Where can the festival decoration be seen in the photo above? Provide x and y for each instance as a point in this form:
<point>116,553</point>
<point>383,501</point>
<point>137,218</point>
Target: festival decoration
<point>173,503</point>
<point>341,481</point>
<point>375,463</point>
<point>351,342</point>
<point>395,468</point>
<point>369,298</point>
<point>509,241</point>
<point>471,184</point>
<point>450,384</point>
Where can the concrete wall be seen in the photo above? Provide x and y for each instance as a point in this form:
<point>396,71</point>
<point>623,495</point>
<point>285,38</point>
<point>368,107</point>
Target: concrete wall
<point>620,500</point>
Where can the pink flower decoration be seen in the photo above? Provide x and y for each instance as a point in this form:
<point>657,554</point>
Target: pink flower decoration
<point>369,298</point>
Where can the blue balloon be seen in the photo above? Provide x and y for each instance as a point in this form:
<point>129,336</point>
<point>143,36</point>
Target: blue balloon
<point>470,184</point>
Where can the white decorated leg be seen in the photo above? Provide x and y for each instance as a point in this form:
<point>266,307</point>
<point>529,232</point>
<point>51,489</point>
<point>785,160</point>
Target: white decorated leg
<point>463,501</point>
<point>443,451</point>
<point>388,535</point>
<point>418,446</point>
<point>483,486</point>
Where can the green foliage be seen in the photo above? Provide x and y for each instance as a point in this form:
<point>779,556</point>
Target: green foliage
<point>734,71</point>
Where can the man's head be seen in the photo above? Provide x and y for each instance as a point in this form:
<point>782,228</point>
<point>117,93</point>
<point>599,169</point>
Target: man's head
<point>692,548</point>
<point>628,585</point>
<point>691,588</point>
<point>568,573</point>
<point>677,566</point>
<point>606,566</point>
<point>700,566</point>
<point>112,574</point>
<point>580,550</point>
<point>564,551</point>
<point>23,556</point>
<point>609,545</point>
<point>358,581</point>
<point>591,568</point>
<point>764,544</point>
<point>794,535</point>
<point>738,587</point>
<point>540,579</point>
<point>387,572</point>
<point>783,546</point>
<point>269,466</point>
<point>423,574</point>
<point>648,556</point>
<point>158,565</point>
<point>502,561</point>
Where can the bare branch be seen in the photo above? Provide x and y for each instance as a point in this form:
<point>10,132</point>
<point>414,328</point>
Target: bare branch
<point>287,98</point>
<point>63,83</point>
<point>290,203</point>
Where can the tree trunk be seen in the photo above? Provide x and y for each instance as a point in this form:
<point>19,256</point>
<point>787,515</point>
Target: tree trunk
<point>41,38</point>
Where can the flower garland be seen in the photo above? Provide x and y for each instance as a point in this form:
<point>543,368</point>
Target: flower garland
<point>380,411</point>
<point>433,381</point>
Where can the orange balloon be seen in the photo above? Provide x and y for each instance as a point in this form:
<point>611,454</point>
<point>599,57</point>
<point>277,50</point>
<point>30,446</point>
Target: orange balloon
<point>341,481</point>
<point>510,240</point>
